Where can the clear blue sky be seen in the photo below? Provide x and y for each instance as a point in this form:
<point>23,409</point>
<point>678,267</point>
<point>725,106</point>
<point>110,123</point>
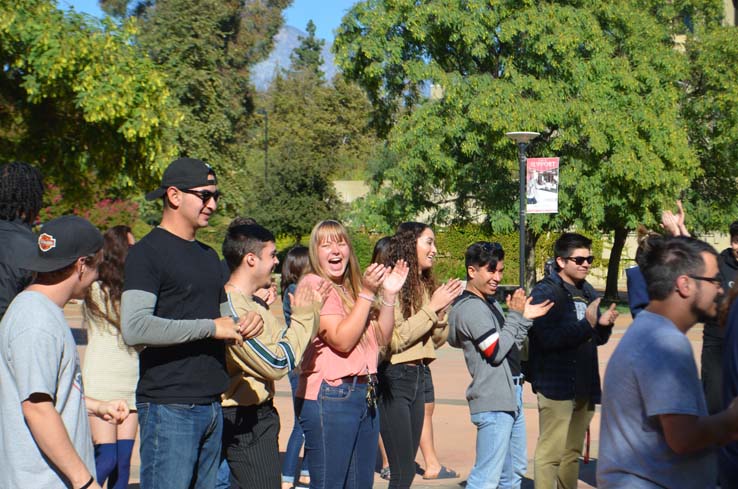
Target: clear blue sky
<point>326,14</point>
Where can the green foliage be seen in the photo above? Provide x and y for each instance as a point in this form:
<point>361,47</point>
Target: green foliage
<point>307,56</point>
<point>317,133</point>
<point>452,242</point>
<point>81,100</point>
<point>363,244</point>
<point>297,195</point>
<point>599,80</point>
<point>206,47</point>
<point>711,111</point>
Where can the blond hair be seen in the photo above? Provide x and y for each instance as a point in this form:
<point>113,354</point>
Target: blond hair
<point>350,285</point>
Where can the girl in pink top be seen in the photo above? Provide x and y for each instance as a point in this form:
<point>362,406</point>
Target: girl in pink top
<point>336,403</point>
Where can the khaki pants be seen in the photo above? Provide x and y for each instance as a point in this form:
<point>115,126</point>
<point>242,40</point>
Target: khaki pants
<point>562,426</point>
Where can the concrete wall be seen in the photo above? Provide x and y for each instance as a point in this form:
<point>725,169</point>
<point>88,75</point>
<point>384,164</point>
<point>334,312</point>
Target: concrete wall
<point>730,12</point>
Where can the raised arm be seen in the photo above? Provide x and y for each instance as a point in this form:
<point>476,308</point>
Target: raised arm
<point>342,333</point>
<point>273,354</point>
<point>391,286</point>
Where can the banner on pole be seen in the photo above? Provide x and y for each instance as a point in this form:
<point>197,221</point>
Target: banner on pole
<point>542,190</point>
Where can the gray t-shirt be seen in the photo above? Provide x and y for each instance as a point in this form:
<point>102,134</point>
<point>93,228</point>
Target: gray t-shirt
<point>652,372</point>
<point>38,355</point>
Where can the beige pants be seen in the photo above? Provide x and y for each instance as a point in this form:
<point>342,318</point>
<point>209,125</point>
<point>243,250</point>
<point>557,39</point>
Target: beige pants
<point>562,426</point>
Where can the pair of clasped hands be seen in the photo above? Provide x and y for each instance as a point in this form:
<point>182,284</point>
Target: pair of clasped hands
<point>250,325</point>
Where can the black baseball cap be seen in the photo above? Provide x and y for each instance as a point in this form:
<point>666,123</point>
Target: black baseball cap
<point>184,173</point>
<point>61,241</point>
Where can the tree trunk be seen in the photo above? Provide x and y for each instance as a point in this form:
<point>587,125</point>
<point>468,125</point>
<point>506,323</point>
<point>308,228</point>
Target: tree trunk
<point>613,268</point>
<point>531,239</point>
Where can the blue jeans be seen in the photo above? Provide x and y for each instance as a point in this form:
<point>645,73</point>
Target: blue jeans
<point>341,437</point>
<point>493,441</point>
<point>180,445</point>
<point>516,461</point>
<point>294,444</point>
<point>224,474</point>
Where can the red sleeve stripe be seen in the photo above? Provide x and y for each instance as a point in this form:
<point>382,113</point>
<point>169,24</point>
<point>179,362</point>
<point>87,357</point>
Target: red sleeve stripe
<point>489,344</point>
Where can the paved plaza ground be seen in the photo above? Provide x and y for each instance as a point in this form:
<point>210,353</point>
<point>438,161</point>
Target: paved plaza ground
<point>454,434</point>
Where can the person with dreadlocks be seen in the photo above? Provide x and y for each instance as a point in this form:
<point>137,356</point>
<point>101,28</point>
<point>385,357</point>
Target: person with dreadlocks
<point>21,190</point>
<point>420,328</point>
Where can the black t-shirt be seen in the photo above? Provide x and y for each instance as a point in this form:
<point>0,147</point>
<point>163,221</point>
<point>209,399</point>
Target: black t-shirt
<point>18,244</point>
<point>186,278</point>
<point>586,352</point>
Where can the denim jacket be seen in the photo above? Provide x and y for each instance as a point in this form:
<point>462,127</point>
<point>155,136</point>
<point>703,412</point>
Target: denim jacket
<point>555,339</point>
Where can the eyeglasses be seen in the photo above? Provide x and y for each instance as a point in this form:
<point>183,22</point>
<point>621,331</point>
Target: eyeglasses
<point>715,280</point>
<point>204,195</point>
<point>579,260</point>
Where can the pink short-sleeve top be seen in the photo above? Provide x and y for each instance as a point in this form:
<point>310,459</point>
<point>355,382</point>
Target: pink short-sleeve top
<point>321,362</point>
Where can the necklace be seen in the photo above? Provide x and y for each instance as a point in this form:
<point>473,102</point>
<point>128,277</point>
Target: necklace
<point>237,288</point>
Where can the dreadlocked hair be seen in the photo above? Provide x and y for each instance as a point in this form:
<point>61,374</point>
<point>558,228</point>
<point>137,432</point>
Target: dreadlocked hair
<point>418,283</point>
<point>110,275</point>
<point>21,192</point>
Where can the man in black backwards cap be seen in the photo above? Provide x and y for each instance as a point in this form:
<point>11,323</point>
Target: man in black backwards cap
<point>45,438</point>
<point>171,304</point>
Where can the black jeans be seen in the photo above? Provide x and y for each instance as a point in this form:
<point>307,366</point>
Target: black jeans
<point>401,413</point>
<point>250,441</point>
<point>712,376</point>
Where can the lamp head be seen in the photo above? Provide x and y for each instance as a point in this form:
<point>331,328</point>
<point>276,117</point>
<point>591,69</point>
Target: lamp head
<point>522,136</point>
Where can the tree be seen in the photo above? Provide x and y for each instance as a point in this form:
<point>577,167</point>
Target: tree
<point>599,79</point>
<point>317,132</point>
<point>207,47</point>
<point>307,56</point>
<point>79,99</point>
<point>299,195</point>
<point>711,111</point>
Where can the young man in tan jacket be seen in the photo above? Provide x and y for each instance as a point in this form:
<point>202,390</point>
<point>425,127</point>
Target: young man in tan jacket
<point>251,423</point>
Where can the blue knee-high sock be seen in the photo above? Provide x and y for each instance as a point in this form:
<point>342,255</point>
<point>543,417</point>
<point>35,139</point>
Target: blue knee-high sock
<point>119,478</point>
<point>105,460</point>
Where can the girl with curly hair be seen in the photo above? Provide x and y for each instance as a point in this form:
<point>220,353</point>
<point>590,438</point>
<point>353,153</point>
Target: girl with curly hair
<point>110,368</point>
<point>420,328</point>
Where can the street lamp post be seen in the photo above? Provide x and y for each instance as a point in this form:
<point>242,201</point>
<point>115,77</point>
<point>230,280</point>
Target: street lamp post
<point>522,139</point>
<point>266,141</point>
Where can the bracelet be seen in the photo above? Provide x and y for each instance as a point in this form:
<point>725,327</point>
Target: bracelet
<point>367,297</point>
<point>390,304</point>
<point>89,482</point>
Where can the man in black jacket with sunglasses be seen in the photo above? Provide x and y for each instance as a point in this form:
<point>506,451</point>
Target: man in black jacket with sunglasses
<point>563,361</point>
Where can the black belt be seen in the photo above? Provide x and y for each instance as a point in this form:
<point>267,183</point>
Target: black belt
<point>359,379</point>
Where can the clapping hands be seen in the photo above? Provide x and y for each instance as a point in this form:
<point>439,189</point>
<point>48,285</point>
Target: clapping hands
<point>395,279</point>
<point>517,301</point>
<point>305,295</point>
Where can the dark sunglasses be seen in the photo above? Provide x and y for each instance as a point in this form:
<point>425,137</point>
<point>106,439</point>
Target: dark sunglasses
<point>715,280</point>
<point>204,195</point>
<point>579,260</point>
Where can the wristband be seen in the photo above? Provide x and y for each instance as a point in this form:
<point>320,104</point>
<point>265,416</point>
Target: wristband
<point>367,297</point>
<point>89,482</point>
<point>390,304</point>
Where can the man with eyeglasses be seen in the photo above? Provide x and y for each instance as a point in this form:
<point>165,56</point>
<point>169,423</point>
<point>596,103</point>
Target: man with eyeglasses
<point>563,362</point>
<point>656,430</point>
<point>171,305</point>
